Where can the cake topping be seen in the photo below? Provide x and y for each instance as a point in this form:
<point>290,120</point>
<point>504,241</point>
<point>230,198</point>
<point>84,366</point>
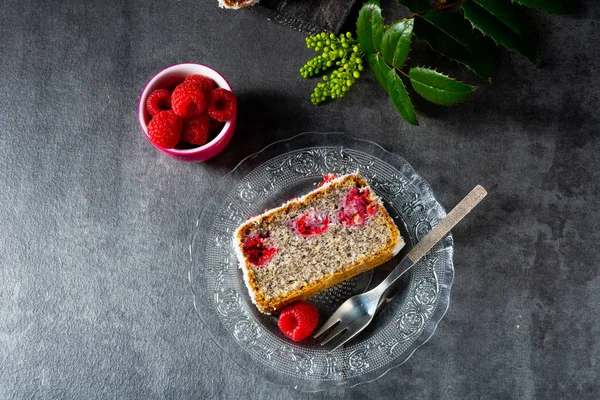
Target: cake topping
<point>357,207</point>
<point>298,321</point>
<point>312,224</point>
<point>327,178</point>
<point>257,251</point>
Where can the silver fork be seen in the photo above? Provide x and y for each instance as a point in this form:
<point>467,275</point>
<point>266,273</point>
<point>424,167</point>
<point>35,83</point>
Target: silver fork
<point>358,311</point>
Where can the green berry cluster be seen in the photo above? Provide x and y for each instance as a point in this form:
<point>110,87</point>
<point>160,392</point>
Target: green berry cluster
<point>343,51</point>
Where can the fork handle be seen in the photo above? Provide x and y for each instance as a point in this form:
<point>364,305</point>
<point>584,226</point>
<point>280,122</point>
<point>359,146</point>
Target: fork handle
<point>440,230</point>
<point>434,236</point>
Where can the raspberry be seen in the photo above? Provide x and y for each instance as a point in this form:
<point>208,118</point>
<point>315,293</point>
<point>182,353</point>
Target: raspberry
<point>298,321</point>
<point>159,100</point>
<point>327,178</point>
<point>188,100</point>
<point>257,251</point>
<point>311,224</point>
<point>357,208</point>
<point>222,105</point>
<point>204,82</point>
<point>196,129</point>
<point>164,129</point>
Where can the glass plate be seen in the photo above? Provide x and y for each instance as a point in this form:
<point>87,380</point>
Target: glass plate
<point>284,170</point>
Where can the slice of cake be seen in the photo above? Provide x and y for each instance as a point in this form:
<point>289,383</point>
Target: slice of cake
<point>236,4</point>
<point>333,233</point>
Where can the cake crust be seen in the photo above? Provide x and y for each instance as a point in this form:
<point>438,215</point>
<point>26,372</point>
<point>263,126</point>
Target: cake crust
<point>266,305</point>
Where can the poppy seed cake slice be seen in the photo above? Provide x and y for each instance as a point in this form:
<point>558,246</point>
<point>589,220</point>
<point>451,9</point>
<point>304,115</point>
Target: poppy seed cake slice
<point>331,234</point>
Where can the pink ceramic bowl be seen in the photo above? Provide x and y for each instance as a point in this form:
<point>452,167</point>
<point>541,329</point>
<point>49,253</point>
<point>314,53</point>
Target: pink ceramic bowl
<point>168,79</point>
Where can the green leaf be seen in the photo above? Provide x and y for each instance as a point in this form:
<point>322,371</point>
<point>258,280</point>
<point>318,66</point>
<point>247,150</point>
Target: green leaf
<point>454,37</point>
<point>504,11</point>
<point>549,6</point>
<point>369,26</point>
<point>490,26</point>
<point>455,27</point>
<point>392,84</point>
<point>400,99</point>
<point>395,44</point>
<point>439,88</point>
<point>379,69</point>
<point>416,5</point>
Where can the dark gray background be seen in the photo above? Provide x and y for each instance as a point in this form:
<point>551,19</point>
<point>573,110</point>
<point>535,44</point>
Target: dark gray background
<point>95,222</point>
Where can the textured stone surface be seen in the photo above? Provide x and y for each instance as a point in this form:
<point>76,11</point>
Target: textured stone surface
<point>95,223</point>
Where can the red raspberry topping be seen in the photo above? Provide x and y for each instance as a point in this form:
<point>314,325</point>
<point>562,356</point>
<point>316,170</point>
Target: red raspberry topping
<point>196,129</point>
<point>164,129</point>
<point>311,224</point>
<point>257,251</point>
<point>357,207</point>
<point>327,178</point>
<point>204,82</point>
<point>298,321</point>
<point>188,100</point>
<point>159,100</point>
<point>222,105</point>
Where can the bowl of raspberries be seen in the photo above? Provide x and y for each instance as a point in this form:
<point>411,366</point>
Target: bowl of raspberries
<point>188,111</point>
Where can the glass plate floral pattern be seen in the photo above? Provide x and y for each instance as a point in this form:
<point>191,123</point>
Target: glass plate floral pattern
<point>279,172</point>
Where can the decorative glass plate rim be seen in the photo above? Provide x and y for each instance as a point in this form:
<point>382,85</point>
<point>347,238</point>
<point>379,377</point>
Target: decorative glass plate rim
<point>424,336</point>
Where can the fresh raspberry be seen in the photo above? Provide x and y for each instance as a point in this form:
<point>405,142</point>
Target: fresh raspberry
<point>222,105</point>
<point>311,224</point>
<point>196,129</point>
<point>204,82</point>
<point>298,321</point>
<point>164,129</point>
<point>257,250</point>
<point>159,100</point>
<point>188,100</point>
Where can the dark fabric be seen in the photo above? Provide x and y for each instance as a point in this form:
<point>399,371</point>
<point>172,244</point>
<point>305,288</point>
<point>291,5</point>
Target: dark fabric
<point>309,16</point>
